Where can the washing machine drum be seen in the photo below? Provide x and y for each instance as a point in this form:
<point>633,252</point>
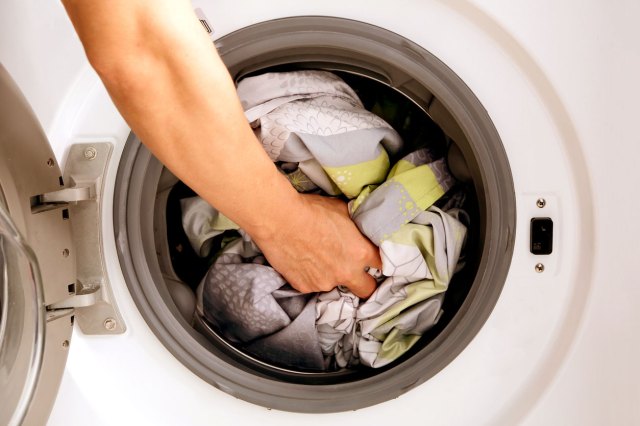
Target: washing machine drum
<point>163,273</point>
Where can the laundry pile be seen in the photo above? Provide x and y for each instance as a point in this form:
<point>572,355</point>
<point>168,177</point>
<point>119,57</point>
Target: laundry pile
<point>314,127</point>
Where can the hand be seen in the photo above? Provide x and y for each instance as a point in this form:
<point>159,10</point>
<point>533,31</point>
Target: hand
<point>319,248</point>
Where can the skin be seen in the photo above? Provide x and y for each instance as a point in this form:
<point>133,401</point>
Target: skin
<point>170,85</point>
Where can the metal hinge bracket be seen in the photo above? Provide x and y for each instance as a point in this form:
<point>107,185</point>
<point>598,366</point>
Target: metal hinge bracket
<point>92,299</point>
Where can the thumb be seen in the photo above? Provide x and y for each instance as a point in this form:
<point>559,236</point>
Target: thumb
<point>363,286</point>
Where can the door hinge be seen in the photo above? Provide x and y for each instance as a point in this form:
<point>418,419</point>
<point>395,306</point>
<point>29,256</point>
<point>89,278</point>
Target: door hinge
<point>68,195</point>
<point>91,297</point>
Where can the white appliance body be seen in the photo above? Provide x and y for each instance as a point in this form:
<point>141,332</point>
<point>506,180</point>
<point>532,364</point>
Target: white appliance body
<point>558,79</point>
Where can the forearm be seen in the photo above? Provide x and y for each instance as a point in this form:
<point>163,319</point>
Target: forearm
<point>167,80</point>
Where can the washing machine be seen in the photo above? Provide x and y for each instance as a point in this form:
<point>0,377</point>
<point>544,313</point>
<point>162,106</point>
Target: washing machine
<point>538,98</point>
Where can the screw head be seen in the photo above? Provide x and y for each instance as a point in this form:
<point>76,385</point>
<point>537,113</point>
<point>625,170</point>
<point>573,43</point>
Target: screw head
<point>539,267</point>
<point>65,253</point>
<point>90,153</point>
<point>65,344</point>
<point>110,324</point>
<point>50,162</point>
<point>541,202</point>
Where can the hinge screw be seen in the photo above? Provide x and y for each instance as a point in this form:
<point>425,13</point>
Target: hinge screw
<point>541,202</point>
<point>90,153</point>
<point>110,324</point>
<point>539,267</point>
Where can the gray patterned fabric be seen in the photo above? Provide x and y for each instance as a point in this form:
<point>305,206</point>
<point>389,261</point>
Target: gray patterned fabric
<point>315,127</point>
<point>249,300</point>
<point>406,304</point>
<point>281,107</point>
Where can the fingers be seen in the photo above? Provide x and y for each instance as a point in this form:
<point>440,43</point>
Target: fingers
<point>363,284</point>
<point>365,254</point>
<point>322,248</point>
<point>373,257</point>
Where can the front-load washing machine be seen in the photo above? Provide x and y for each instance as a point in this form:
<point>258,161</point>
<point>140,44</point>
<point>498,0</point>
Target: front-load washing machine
<point>536,100</point>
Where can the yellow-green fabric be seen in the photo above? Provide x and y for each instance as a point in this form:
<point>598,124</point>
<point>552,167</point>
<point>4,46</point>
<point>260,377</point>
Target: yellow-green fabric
<point>352,179</point>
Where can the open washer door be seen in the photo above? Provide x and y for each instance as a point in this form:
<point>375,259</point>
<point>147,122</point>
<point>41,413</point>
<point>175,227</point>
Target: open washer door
<point>37,265</point>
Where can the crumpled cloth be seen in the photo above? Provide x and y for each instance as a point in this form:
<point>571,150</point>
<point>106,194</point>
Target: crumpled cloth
<point>313,125</point>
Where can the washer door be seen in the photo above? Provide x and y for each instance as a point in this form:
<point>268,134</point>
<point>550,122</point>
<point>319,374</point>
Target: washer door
<point>35,242</point>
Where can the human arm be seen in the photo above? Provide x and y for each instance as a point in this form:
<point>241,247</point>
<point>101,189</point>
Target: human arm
<point>168,82</point>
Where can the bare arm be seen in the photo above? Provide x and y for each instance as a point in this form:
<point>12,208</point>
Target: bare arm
<point>168,82</point>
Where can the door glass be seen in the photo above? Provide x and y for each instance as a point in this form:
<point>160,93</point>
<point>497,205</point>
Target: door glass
<point>22,322</point>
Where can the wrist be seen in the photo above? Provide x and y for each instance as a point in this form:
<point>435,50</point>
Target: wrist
<point>278,213</point>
